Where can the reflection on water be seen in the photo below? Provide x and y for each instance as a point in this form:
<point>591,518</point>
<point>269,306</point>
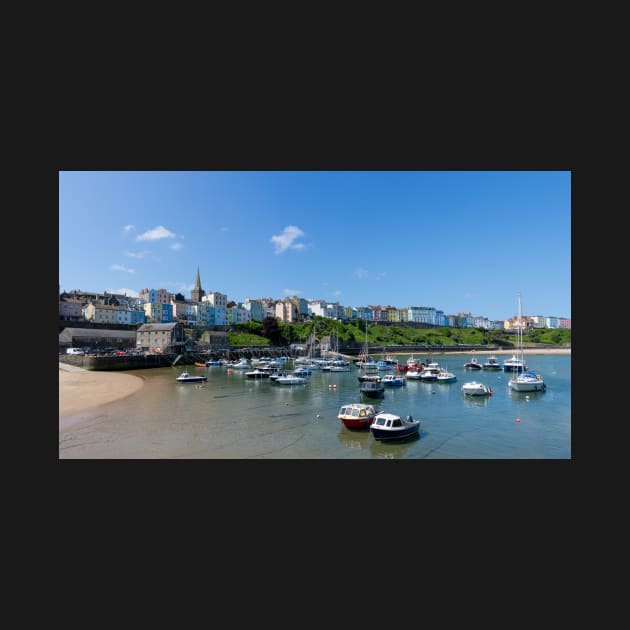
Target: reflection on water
<point>354,439</point>
<point>476,401</point>
<point>234,417</point>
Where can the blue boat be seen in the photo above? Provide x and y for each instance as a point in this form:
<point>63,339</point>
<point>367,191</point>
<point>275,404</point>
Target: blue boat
<point>390,380</point>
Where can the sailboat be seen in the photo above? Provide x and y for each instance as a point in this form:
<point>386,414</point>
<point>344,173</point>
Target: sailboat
<point>365,362</point>
<point>525,381</point>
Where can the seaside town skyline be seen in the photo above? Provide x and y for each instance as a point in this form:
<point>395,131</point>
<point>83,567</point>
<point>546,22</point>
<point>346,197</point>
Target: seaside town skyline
<point>457,242</point>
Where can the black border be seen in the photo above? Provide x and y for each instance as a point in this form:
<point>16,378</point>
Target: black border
<point>348,137</point>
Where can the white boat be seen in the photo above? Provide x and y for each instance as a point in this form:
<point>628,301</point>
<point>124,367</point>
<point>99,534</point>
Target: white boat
<point>257,373</point>
<point>492,364</point>
<point>291,379</point>
<point>430,372</point>
<point>186,377</point>
<point>241,364</point>
<point>364,362</point>
<point>413,374</point>
<point>472,388</point>
<point>444,376</point>
<point>526,380</point>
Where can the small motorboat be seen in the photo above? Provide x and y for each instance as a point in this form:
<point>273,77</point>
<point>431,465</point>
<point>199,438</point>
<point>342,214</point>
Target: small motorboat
<point>186,377</point>
<point>199,364</point>
<point>291,379</point>
<point>257,373</point>
<point>372,389</point>
<point>444,376</point>
<point>473,364</point>
<point>492,364</point>
<point>390,426</point>
<point>391,380</point>
<point>472,388</point>
<point>369,376</point>
<point>357,415</point>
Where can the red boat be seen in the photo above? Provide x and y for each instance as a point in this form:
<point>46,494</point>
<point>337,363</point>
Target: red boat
<point>357,415</point>
<point>200,364</point>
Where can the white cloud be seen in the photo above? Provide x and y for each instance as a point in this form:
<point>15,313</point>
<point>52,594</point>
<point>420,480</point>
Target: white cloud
<point>380,276</point>
<point>291,292</point>
<point>129,228</point>
<point>136,254</point>
<point>122,268</point>
<point>176,247</point>
<point>360,272</point>
<point>124,291</point>
<point>285,240</point>
<point>223,229</point>
<point>156,233</point>
<point>337,293</point>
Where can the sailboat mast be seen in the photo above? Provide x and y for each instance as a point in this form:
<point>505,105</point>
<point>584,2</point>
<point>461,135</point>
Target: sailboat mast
<point>520,331</point>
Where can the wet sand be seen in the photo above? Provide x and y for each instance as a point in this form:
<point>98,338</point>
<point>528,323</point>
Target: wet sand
<point>83,390</point>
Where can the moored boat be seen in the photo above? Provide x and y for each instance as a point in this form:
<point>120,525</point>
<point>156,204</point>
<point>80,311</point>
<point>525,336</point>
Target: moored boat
<point>526,380</point>
<point>473,364</point>
<point>391,380</point>
<point>444,376</point>
<point>472,388</point>
<point>369,376</point>
<point>186,377</point>
<point>257,373</point>
<point>372,389</point>
<point>291,379</point>
<point>390,426</point>
<point>492,364</point>
<point>357,415</point>
<point>514,364</point>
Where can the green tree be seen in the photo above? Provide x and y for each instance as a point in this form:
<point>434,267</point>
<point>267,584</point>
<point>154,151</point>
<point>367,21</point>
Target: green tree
<point>271,330</point>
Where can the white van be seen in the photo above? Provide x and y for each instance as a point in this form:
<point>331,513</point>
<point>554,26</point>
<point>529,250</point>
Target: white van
<point>75,351</point>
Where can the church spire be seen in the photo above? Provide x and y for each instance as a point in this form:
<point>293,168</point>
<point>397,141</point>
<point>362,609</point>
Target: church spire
<point>197,293</point>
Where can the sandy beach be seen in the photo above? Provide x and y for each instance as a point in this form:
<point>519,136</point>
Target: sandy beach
<point>81,390</point>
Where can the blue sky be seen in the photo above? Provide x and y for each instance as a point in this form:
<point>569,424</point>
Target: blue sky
<point>459,241</point>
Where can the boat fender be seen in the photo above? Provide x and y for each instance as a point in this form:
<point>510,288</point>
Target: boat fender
<point>490,390</point>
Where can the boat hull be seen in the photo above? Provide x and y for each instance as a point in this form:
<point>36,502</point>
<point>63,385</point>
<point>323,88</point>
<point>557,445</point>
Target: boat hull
<point>476,389</point>
<point>527,384</point>
<point>390,435</point>
<point>356,423</point>
<point>192,379</point>
<point>374,394</point>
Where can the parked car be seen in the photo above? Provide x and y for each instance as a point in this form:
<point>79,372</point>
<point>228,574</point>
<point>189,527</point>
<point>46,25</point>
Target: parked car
<point>75,351</point>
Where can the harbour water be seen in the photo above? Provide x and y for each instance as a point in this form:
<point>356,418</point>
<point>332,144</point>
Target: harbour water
<point>235,417</point>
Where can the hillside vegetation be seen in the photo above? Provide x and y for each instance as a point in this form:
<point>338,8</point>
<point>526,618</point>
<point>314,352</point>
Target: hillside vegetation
<point>273,332</point>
